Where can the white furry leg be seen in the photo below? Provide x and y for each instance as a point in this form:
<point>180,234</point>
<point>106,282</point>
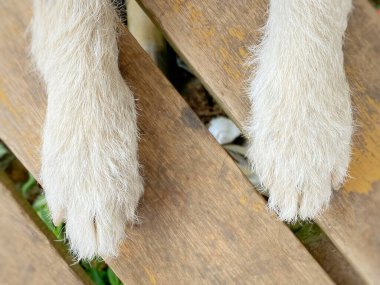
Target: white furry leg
<point>301,123</point>
<point>89,154</point>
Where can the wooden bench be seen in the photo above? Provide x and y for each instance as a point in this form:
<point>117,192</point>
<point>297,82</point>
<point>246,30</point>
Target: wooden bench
<point>213,38</point>
<point>203,222</point>
<point>28,252</point>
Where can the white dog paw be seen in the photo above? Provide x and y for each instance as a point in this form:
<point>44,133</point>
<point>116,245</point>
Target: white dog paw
<point>90,170</point>
<point>299,160</point>
<point>300,134</point>
<point>95,189</point>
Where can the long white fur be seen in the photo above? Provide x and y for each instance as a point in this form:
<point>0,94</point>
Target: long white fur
<point>90,169</point>
<point>300,128</point>
<point>301,122</point>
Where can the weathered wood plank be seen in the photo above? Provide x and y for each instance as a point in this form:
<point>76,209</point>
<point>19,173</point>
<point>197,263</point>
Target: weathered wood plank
<point>213,38</point>
<point>28,254</point>
<point>202,220</point>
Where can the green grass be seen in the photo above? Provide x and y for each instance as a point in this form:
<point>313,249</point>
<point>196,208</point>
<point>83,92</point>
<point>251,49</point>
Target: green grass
<point>376,3</point>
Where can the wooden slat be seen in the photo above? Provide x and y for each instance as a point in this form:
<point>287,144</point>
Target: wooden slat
<point>28,254</point>
<point>213,38</point>
<point>202,220</point>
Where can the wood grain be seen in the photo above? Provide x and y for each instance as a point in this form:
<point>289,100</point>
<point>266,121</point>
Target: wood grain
<point>28,254</point>
<point>202,220</point>
<point>213,38</point>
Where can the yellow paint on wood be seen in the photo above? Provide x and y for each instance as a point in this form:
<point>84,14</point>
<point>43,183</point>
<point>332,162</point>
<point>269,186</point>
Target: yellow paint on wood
<point>243,52</point>
<point>151,277</point>
<point>206,33</point>
<point>224,53</point>
<point>237,32</point>
<point>365,166</point>
<point>4,100</point>
<point>178,5</point>
<point>243,200</point>
<point>195,13</point>
<point>258,206</point>
<point>233,73</point>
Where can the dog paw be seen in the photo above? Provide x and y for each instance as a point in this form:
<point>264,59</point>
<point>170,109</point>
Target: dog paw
<point>90,170</point>
<point>300,134</point>
<point>299,155</point>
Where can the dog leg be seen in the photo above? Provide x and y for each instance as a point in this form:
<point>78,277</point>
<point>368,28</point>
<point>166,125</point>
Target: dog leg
<point>301,123</point>
<point>90,169</point>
